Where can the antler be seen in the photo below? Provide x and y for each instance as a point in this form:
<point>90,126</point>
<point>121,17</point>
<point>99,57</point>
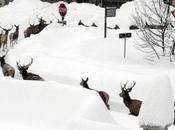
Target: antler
<point>10,28</point>
<point>2,28</point>
<point>131,86</point>
<point>18,65</point>
<point>124,85</point>
<point>26,66</point>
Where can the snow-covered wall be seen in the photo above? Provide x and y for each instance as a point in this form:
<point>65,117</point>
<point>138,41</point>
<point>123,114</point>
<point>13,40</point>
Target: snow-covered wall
<point>157,109</point>
<point>47,105</point>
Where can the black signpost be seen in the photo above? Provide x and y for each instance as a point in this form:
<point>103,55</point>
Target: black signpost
<point>109,12</point>
<point>125,35</point>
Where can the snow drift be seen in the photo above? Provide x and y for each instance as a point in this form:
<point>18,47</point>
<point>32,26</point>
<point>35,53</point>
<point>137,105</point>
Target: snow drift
<point>48,105</point>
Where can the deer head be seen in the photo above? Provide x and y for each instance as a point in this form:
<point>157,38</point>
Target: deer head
<point>125,90</point>
<point>2,58</point>
<point>6,30</point>
<point>23,68</point>
<point>84,83</point>
<point>16,26</point>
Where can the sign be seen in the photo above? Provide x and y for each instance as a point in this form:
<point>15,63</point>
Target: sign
<point>62,9</point>
<point>124,35</point>
<point>111,11</point>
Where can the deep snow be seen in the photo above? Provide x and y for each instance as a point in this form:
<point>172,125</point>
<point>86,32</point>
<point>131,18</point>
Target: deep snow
<point>65,54</point>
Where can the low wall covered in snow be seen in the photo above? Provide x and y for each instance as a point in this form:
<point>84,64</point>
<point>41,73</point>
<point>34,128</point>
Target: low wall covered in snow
<point>49,105</point>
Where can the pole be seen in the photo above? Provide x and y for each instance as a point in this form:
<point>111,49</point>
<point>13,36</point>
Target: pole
<point>105,25</point>
<point>125,47</point>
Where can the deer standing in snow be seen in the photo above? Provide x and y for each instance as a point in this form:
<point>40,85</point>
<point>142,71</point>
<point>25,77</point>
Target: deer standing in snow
<point>14,36</point>
<point>4,37</point>
<point>103,95</point>
<point>132,104</point>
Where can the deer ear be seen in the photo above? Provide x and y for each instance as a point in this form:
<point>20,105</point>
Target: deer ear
<point>87,79</point>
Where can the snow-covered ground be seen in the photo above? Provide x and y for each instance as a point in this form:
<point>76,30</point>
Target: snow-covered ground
<point>62,56</point>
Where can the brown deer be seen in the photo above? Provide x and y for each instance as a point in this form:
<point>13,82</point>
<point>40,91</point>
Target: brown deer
<point>4,37</point>
<point>7,69</point>
<point>27,75</point>
<point>132,104</point>
<point>102,94</point>
<point>14,36</point>
<point>35,29</point>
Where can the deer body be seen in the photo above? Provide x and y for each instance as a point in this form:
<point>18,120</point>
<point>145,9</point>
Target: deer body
<point>132,104</point>
<point>102,94</point>
<point>6,68</point>
<point>4,37</point>
<point>14,36</point>
<point>0,39</point>
<point>28,75</point>
<point>35,29</point>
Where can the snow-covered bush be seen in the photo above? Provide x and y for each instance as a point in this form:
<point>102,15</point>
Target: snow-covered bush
<point>157,108</point>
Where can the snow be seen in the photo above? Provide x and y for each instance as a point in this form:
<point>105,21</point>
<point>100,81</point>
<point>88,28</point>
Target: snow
<point>62,56</point>
<point>157,109</point>
<point>48,105</point>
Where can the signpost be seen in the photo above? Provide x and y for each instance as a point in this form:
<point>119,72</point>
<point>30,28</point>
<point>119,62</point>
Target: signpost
<point>109,12</point>
<point>63,11</point>
<point>125,35</point>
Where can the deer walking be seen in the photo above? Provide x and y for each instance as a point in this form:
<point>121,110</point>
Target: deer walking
<point>102,94</point>
<point>4,37</point>
<point>7,69</point>
<point>132,104</point>
<point>28,75</point>
<point>14,36</point>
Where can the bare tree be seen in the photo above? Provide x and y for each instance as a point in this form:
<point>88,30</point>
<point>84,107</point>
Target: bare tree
<point>155,28</point>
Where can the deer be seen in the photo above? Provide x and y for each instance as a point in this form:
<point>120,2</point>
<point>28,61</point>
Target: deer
<point>35,29</point>
<point>133,27</point>
<point>4,37</point>
<point>7,69</point>
<point>28,75</point>
<point>102,94</point>
<point>14,36</point>
<point>133,105</point>
<point>81,23</point>
<point>0,38</point>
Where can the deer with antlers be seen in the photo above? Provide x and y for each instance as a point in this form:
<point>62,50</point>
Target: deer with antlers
<point>35,29</point>
<point>132,104</point>
<point>27,75</point>
<point>7,69</point>
<point>4,37</point>
<point>102,94</point>
<point>14,36</point>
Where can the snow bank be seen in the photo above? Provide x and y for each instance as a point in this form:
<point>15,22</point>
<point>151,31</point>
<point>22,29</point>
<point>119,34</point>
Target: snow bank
<point>84,124</point>
<point>157,108</point>
<point>47,105</point>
